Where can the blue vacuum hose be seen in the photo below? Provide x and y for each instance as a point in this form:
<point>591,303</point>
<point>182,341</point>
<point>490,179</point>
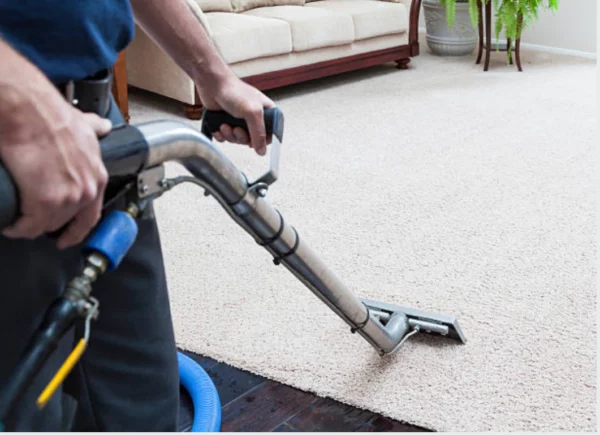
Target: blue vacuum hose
<point>207,405</point>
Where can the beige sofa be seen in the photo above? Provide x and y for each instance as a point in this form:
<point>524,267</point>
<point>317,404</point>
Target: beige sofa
<point>273,43</point>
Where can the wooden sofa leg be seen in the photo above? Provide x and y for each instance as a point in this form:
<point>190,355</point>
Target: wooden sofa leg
<point>402,63</point>
<point>193,111</point>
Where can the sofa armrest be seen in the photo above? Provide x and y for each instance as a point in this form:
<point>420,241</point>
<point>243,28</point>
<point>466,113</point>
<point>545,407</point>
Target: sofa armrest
<point>414,10</point>
<point>413,31</point>
<point>195,7</point>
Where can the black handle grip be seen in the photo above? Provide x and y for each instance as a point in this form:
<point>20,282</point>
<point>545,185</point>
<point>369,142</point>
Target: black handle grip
<point>9,199</point>
<point>124,151</point>
<point>214,119</point>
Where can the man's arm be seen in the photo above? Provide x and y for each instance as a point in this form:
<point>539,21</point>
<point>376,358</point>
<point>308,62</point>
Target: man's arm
<point>52,152</point>
<point>174,27</point>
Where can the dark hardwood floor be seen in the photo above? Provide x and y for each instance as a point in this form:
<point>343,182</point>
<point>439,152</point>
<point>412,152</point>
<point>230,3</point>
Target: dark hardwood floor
<point>254,404</point>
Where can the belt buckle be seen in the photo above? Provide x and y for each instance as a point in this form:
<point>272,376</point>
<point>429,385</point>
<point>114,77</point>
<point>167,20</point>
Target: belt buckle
<point>91,94</point>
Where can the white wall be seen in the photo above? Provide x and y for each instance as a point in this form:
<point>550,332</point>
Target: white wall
<point>572,27</point>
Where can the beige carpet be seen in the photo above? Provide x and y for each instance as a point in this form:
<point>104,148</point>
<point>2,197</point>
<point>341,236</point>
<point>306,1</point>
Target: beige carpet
<point>442,188</point>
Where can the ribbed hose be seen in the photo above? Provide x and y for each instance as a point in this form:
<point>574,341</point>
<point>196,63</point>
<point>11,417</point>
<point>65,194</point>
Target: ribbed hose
<point>207,405</point>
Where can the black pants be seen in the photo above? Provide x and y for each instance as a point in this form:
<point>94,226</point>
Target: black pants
<point>128,377</point>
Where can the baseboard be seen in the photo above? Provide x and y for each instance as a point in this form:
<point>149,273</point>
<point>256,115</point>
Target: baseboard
<point>555,50</point>
<point>542,48</point>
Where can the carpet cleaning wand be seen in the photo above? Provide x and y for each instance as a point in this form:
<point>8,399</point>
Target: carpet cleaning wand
<point>135,155</point>
<point>384,326</point>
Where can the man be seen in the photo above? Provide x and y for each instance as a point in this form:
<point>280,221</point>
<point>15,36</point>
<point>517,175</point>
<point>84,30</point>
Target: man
<point>128,379</point>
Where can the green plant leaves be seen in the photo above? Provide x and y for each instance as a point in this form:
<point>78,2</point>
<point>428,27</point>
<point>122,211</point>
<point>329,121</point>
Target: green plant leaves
<point>450,6</point>
<point>474,12</point>
<point>450,11</point>
<point>514,15</point>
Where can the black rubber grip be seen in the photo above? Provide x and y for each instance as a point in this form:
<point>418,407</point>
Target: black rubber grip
<point>124,152</point>
<point>9,199</point>
<point>212,121</point>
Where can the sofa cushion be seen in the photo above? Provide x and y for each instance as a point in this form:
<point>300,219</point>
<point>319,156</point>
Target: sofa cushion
<point>293,60</point>
<point>215,5</point>
<point>246,5</point>
<point>242,37</point>
<point>311,27</point>
<point>371,18</point>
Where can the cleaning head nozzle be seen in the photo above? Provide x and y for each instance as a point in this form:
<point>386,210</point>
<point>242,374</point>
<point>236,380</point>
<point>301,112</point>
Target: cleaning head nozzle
<point>421,321</point>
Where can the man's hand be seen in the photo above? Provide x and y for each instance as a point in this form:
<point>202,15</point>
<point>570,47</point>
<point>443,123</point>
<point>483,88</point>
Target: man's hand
<point>242,101</point>
<point>60,176</point>
<point>51,150</point>
<point>173,26</point>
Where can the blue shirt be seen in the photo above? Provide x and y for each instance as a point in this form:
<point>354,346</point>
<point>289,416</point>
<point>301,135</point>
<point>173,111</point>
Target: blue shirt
<point>67,39</point>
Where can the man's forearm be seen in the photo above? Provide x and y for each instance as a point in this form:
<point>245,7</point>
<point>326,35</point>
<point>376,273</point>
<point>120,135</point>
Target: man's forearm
<point>20,81</point>
<point>173,26</point>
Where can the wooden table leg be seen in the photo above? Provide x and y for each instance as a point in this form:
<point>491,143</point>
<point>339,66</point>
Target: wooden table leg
<point>518,54</point>
<point>120,85</point>
<point>479,7</point>
<point>488,33</point>
<point>518,45</point>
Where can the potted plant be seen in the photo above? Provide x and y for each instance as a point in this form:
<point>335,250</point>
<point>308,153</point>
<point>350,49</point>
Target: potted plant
<point>512,16</point>
<point>451,26</point>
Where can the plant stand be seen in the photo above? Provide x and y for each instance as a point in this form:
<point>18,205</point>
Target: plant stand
<point>487,25</point>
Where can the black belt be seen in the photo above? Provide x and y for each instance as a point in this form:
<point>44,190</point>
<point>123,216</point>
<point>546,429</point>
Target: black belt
<point>92,94</point>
